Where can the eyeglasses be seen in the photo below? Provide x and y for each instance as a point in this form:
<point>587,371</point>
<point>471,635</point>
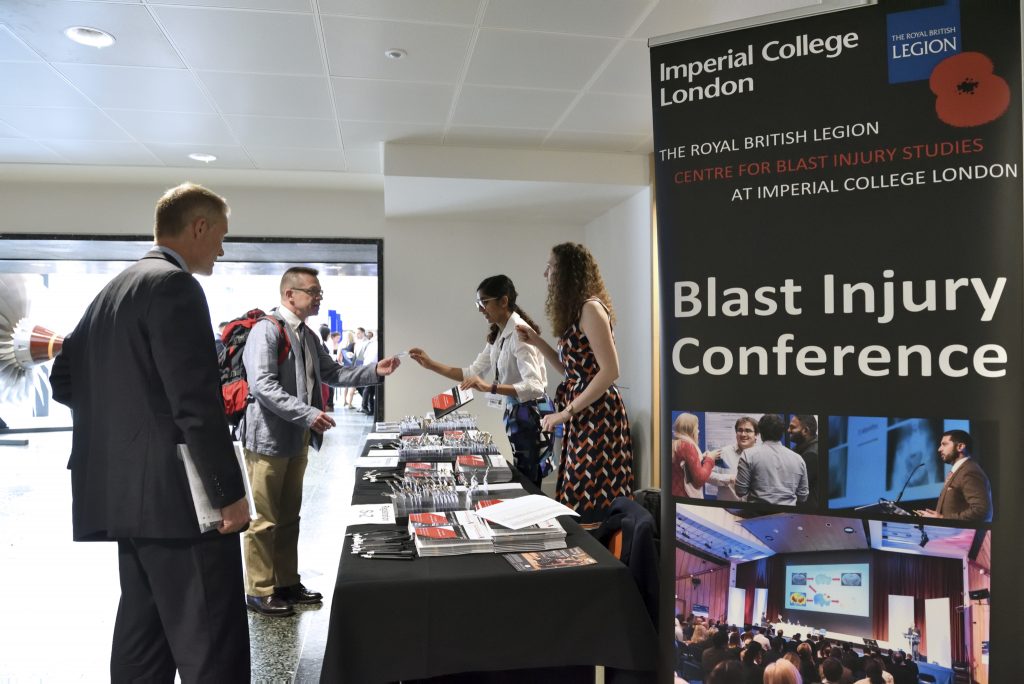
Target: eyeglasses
<point>480,303</point>
<point>314,292</point>
<point>745,431</point>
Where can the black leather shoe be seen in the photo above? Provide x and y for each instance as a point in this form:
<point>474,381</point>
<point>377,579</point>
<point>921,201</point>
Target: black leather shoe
<point>298,593</point>
<point>269,605</point>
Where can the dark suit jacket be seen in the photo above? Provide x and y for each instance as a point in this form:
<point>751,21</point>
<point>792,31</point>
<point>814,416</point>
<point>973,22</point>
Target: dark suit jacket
<point>140,374</point>
<point>966,494</point>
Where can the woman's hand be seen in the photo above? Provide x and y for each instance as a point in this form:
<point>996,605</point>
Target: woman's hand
<point>549,422</point>
<point>420,357</point>
<point>527,334</point>
<point>475,383</point>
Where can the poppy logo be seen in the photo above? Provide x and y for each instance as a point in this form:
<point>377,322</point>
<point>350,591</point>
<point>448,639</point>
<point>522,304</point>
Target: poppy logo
<point>967,91</point>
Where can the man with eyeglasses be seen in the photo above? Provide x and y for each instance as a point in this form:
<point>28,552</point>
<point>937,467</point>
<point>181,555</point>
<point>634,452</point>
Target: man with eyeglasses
<point>285,415</point>
<point>724,476</point>
<point>771,473</point>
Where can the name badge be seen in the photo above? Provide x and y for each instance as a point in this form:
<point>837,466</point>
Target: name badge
<point>495,401</point>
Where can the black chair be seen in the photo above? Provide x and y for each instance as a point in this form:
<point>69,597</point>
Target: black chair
<point>961,672</point>
<point>925,679</point>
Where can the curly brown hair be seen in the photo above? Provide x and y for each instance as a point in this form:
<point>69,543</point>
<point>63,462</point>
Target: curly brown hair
<point>576,279</point>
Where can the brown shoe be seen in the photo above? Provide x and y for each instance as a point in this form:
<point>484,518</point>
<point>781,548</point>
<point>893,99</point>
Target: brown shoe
<point>269,605</point>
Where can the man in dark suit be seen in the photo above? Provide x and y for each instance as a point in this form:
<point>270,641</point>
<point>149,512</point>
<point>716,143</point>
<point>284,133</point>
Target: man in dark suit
<point>966,495</point>
<point>140,374</point>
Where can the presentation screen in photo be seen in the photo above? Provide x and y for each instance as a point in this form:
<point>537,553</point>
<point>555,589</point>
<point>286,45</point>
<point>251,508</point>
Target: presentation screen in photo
<point>837,588</point>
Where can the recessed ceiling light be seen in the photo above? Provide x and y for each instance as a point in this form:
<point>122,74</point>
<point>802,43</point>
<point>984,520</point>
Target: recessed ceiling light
<point>848,530</point>
<point>769,537</point>
<point>395,53</point>
<point>200,156</point>
<point>91,37</point>
<point>800,527</point>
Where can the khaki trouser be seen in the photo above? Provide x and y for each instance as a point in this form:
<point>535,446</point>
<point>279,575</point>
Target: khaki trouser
<point>270,545</point>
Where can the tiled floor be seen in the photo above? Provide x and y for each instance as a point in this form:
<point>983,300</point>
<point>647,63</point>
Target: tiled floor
<point>60,598</point>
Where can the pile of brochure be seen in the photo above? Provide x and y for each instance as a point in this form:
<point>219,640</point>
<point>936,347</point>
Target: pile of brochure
<point>542,536</point>
<point>462,532</point>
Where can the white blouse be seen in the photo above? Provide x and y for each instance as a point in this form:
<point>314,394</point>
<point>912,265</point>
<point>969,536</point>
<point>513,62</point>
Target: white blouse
<point>519,364</point>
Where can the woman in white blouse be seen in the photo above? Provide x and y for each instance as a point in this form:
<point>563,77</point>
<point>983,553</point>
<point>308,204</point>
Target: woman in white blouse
<point>507,367</point>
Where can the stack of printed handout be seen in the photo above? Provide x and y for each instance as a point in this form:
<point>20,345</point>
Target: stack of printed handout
<point>450,534</point>
<point>541,536</point>
<point>523,524</point>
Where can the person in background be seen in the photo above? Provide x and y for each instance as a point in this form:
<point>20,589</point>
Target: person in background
<point>803,433</point>
<point>507,367</point>
<point>369,393</point>
<point>690,468</point>
<point>966,494</point>
<point>724,476</point>
<point>358,347</point>
<point>597,450</point>
<point>769,472</point>
<point>782,671</point>
<point>140,375</point>
<point>727,672</point>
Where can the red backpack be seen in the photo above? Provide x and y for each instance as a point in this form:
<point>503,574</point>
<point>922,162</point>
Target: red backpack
<point>234,387</point>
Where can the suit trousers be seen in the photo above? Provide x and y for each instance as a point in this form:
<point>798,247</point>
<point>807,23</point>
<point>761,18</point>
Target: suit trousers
<point>181,609</point>
<point>271,544</point>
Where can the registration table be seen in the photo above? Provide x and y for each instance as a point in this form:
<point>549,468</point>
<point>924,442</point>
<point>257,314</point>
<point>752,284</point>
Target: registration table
<point>398,620</point>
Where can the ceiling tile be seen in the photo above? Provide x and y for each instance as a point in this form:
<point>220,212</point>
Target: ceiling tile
<point>13,50</point>
<point>265,131</point>
<point>623,114</point>
<point>361,135</point>
<point>270,95</point>
<point>440,11</point>
<point>276,5</point>
<point>62,123</point>
<point>119,87</point>
<point>297,160</point>
<point>629,72</point>
<point>536,60</point>
<point>355,48</point>
<point>9,132</point>
<point>510,107</point>
<point>37,85</point>
<point>140,42</point>
<point>584,140</point>
<point>360,100</point>
<point>27,152</point>
<point>108,153</point>
<point>672,17</point>
<point>228,157</point>
<point>365,161</point>
<point>247,41</point>
<point>484,136</point>
<point>174,127</point>
<point>588,17</point>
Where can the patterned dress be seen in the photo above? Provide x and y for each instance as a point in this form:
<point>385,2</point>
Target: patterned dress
<point>597,452</point>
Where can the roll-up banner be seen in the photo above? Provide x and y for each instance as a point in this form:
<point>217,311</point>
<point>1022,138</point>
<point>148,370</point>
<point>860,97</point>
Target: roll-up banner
<point>839,205</point>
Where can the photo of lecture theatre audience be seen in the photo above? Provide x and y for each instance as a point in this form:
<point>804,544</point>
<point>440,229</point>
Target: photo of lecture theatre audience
<point>840,599</point>
<point>928,467</point>
<point>765,458</point>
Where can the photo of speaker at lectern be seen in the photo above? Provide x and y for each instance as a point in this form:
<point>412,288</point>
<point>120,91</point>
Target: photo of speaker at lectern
<point>933,468</point>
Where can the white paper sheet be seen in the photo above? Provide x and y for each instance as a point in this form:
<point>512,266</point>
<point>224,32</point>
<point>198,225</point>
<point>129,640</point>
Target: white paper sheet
<point>371,514</point>
<point>374,436</point>
<point>529,510</point>
<point>380,453</point>
<point>208,516</point>
<point>377,462</point>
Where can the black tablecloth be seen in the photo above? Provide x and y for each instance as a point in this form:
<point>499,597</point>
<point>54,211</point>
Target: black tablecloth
<point>393,620</point>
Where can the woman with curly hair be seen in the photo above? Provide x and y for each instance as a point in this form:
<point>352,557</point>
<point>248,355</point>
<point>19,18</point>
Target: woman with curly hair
<point>597,453</point>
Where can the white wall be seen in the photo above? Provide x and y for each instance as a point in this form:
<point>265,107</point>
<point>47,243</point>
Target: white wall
<point>621,242</point>
<point>431,269</point>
